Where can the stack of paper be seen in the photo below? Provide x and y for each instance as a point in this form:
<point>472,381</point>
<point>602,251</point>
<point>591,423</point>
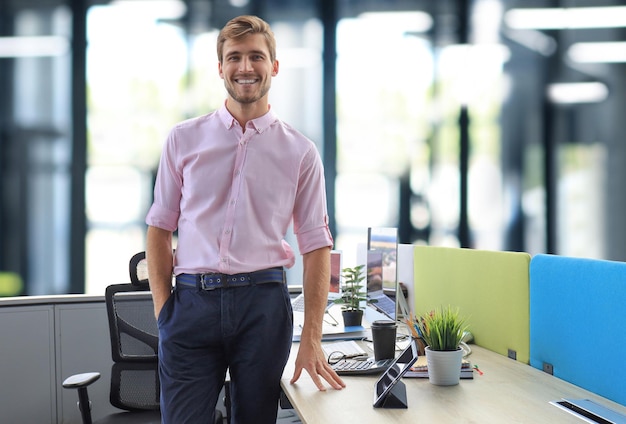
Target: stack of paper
<point>420,369</point>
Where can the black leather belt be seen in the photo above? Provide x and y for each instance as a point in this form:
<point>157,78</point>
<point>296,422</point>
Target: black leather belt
<point>213,280</point>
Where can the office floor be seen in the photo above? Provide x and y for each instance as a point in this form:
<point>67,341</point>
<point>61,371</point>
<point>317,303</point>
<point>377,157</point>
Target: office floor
<point>287,416</point>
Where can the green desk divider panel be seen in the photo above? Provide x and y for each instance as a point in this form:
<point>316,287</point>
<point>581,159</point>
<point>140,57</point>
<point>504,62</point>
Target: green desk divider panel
<point>578,323</point>
<point>490,288</point>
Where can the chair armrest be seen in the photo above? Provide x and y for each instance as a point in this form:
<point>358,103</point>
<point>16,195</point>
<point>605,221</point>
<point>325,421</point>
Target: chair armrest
<point>80,380</point>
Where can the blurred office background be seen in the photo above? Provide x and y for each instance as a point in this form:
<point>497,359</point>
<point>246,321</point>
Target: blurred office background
<point>492,124</point>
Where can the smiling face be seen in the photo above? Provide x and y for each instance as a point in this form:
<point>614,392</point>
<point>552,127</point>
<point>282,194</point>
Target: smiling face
<point>247,69</point>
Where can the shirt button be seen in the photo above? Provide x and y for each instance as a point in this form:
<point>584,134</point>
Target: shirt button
<point>227,231</point>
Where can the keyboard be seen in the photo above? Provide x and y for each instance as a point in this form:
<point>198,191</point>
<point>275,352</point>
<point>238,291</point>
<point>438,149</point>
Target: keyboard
<point>297,303</point>
<point>356,367</point>
<point>385,305</point>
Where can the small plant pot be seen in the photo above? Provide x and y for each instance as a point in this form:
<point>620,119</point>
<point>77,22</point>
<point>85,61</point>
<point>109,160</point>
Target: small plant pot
<point>444,366</point>
<point>352,318</point>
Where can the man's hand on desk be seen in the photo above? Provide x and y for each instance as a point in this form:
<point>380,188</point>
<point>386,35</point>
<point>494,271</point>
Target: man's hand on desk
<point>311,358</point>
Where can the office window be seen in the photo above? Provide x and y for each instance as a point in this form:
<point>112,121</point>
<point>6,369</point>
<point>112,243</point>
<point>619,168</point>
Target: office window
<point>399,96</point>
<point>384,74</point>
<point>37,142</point>
<point>144,77</point>
<point>136,76</point>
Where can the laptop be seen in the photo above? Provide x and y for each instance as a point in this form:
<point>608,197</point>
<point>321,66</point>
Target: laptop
<point>332,329</point>
<point>382,258</point>
<point>375,286</point>
<point>334,287</point>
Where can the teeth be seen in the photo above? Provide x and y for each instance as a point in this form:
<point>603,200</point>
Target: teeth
<point>248,81</point>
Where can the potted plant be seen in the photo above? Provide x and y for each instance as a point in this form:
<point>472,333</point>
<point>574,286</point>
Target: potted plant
<point>352,295</point>
<point>442,330</point>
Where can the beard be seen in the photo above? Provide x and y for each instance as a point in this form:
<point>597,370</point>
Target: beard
<point>247,97</point>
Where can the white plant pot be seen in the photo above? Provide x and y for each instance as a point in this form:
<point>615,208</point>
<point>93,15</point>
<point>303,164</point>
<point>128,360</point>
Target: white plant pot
<point>444,367</point>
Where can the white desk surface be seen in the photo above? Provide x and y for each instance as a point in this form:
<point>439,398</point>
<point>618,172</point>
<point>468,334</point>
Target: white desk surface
<point>507,392</point>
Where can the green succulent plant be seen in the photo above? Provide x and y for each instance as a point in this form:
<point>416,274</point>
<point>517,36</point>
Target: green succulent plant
<point>442,329</point>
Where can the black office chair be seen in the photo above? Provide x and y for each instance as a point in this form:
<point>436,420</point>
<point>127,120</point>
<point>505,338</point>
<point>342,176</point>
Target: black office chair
<point>134,348</point>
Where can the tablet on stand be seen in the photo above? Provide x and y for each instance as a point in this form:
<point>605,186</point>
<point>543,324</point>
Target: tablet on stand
<point>389,391</point>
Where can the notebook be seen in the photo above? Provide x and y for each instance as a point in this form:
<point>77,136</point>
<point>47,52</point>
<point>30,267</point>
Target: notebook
<point>420,369</point>
<point>348,347</point>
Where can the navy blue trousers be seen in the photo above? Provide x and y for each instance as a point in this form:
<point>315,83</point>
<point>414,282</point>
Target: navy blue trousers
<point>202,334</point>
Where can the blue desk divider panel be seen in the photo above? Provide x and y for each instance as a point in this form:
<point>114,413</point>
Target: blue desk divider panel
<point>578,322</point>
<point>490,288</point>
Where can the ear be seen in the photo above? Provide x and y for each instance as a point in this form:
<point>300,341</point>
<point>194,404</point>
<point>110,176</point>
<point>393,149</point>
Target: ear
<point>220,71</point>
<point>275,68</point>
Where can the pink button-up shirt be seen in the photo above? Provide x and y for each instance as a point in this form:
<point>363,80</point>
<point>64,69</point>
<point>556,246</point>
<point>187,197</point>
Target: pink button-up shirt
<point>233,194</point>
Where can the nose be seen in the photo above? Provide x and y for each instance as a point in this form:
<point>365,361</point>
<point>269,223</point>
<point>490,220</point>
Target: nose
<point>245,65</point>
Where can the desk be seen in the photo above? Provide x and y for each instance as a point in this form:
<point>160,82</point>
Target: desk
<point>508,391</point>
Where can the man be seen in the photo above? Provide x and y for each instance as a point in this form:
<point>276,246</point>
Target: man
<point>231,182</point>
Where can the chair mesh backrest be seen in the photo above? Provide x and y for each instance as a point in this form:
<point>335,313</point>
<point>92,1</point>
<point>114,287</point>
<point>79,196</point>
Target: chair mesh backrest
<point>135,386</point>
<point>132,325</point>
<point>134,341</point>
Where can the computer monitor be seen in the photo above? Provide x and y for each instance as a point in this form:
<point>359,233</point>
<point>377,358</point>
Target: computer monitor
<point>382,253</point>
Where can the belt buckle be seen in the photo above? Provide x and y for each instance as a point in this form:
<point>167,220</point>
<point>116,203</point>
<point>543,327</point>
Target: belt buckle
<point>203,281</point>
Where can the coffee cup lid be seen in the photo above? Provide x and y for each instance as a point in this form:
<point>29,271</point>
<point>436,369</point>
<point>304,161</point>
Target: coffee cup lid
<point>384,323</point>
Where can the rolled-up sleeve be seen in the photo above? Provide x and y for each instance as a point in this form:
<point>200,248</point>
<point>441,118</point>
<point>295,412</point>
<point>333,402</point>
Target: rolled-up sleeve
<point>310,211</point>
<point>165,209</point>
<point>163,218</point>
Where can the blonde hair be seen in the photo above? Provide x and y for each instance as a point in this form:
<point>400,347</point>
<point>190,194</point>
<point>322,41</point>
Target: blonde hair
<point>242,26</point>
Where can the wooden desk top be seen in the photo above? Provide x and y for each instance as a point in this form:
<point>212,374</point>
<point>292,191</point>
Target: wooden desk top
<point>508,391</point>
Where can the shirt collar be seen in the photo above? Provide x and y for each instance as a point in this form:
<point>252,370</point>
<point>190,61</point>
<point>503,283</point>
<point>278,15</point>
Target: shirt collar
<point>260,124</point>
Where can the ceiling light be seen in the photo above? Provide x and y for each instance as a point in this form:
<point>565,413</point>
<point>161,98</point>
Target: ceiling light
<point>42,46</point>
<point>577,92</point>
<point>605,52</point>
<point>161,9</point>
<point>414,22</point>
<point>567,18</point>
<point>534,40</point>
<point>239,3</point>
